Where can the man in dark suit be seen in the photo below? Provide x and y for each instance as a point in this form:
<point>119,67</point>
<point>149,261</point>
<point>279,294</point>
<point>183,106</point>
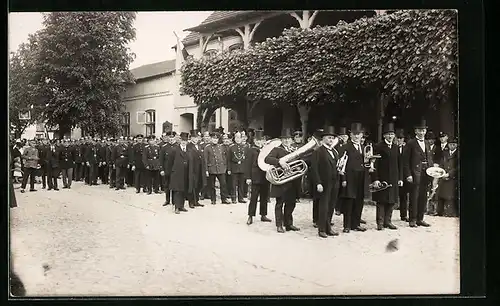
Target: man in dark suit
<point>92,160</point>
<point>442,147</point>
<point>257,179</point>
<point>315,195</point>
<point>417,157</point>
<point>120,161</point>
<point>67,163</point>
<point>103,164</point>
<point>206,140</point>
<point>447,191</point>
<point>53,166</point>
<point>111,163</point>
<point>326,180</point>
<point>199,179</point>
<point>404,190</point>
<point>138,165</point>
<point>165,153</point>
<point>237,155</point>
<point>353,181</point>
<point>286,193</point>
<point>42,154</point>
<point>180,167</point>
<point>386,170</point>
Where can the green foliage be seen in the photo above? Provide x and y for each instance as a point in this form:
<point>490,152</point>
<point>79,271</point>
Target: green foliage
<point>397,54</point>
<point>83,62</point>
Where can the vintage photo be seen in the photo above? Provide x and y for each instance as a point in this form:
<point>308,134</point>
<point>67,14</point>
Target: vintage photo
<point>220,153</point>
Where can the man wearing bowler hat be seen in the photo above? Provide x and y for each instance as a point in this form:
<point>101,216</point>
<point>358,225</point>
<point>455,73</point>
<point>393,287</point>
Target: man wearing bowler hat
<point>286,193</point>
<point>353,181</point>
<point>326,180</point>
<point>417,157</point>
<point>403,190</point>
<point>386,170</point>
<point>447,191</point>
<point>180,168</point>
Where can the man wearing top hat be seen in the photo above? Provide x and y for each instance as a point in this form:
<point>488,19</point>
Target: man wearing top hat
<point>326,180</point>
<point>151,161</point>
<point>447,191</point>
<point>237,155</point>
<point>386,170</point>
<point>343,139</point>
<point>286,193</point>
<point>403,191</point>
<point>199,180</point>
<point>120,158</point>
<point>257,179</point>
<point>417,157</point>
<point>180,168</point>
<point>216,166</point>
<point>353,181</point>
<point>165,153</point>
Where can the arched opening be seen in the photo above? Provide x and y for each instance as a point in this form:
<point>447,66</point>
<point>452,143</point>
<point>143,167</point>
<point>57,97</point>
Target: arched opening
<point>186,123</point>
<point>273,27</point>
<point>331,18</point>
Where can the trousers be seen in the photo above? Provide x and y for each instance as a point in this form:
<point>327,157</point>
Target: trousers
<point>260,191</point>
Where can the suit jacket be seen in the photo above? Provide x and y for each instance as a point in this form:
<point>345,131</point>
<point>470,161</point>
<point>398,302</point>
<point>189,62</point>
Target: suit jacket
<point>151,157</point>
<point>324,168</point>
<point>66,158</point>
<point>290,189</point>
<point>200,178</point>
<point>387,169</point>
<point>215,159</point>
<point>92,154</point>
<point>101,152</point>
<point>448,186</point>
<point>165,152</point>
<point>439,152</point>
<point>180,168</point>
<point>253,171</point>
<point>413,158</point>
<point>355,163</point>
<point>136,155</point>
<point>30,157</point>
<point>120,155</point>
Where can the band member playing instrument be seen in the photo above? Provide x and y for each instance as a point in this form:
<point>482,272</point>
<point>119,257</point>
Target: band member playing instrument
<point>216,167</point>
<point>343,139</point>
<point>199,180</point>
<point>403,190</point>
<point>353,181</point>
<point>180,168</point>
<point>417,157</point>
<point>237,155</point>
<point>287,193</point>
<point>386,170</point>
<point>326,179</point>
<point>447,190</point>
<point>257,179</point>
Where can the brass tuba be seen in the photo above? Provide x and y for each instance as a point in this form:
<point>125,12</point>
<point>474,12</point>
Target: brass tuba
<point>298,167</point>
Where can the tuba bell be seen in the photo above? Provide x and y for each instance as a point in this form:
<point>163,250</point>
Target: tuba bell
<point>298,167</point>
<point>436,173</point>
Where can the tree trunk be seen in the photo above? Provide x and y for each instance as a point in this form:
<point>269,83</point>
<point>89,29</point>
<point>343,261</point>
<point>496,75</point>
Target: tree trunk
<point>304,118</point>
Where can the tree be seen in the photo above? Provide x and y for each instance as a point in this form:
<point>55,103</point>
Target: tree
<point>396,55</point>
<point>24,86</point>
<point>84,60</point>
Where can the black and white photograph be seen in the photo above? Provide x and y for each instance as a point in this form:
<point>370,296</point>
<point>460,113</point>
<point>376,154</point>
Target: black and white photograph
<point>234,153</point>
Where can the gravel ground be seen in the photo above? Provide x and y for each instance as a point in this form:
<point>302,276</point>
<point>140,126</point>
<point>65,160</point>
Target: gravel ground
<point>97,241</point>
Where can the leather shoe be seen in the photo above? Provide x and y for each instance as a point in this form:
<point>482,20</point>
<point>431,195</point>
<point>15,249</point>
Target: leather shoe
<point>232,201</point>
<point>315,225</point>
<point>166,203</point>
<point>380,227</point>
<point>346,230</point>
<point>423,223</point>
<point>413,224</point>
<point>362,221</point>
<point>183,209</point>
<point>332,233</point>
<point>225,202</point>
<point>322,235</point>
<point>242,202</point>
<point>213,202</point>
<point>359,229</point>
<point>405,219</point>
<point>249,220</point>
<point>265,219</point>
<point>292,228</point>
<point>390,226</point>
<point>191,206</point>
<point>199,205</point>
<point>177,211</point>
<point>137,191</point>
<point>280,229</point>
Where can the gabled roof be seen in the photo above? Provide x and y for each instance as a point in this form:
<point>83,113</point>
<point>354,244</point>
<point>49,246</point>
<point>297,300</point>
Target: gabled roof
<point>154,69</point>
<point>218,16</point>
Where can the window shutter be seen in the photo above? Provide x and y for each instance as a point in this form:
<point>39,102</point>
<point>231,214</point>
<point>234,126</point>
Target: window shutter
<point>141,117</point>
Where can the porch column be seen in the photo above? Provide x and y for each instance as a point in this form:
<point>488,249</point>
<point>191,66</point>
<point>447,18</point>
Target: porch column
<point>306,20</point>
<point>247,33</point>
<point>203,42</point>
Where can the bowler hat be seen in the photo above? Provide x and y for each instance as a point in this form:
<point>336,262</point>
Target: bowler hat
<point>422,124</point>
<point>318,133</point>
<point>329,131</point>
<point>388,128</point>
<point>430,135</point>
<point>356,128</point>
<point>259,134</point>
<point>184,136</point>
<point>286,133</point>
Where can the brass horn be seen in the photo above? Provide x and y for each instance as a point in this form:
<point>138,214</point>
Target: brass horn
<point>436,173</point>
<point>383,185</point>
<point>369,157</point>
<point>298,167</point>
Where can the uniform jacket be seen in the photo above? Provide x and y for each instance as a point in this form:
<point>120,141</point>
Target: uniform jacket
<point>355,163</point>
<point>120,155</point>
<point>77,153</point>
<point>53,156</point>
<point>180,168</point>
<point>413,156</point>
<point>151,157</point>
<point>387,169</point>
<point>324,168</point>
<point>136,157</point>
<point>92,154</point>
<point>102,153</point>
<point>448,186</point>
<point>237,154</point>
<point>83,151</point>
<point>292,188</point>
<point>253,171</point>
<point>215,159</point>
<point>66,158</point>
<point>109,154</point>
<point>439,153</point>
<point>200,178</point>
<point>30,157</point>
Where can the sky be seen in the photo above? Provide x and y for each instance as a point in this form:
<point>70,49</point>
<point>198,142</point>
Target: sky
<point>154,32</point>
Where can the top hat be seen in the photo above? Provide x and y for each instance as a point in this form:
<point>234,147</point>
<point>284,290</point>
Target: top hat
<point>259,134</point>
<point>184,136</point>
<point>251,132</point>
<point>329,131</point>
<point>400,133</point>
<point>430,135</point>
<point>356,127</point>
<point>388,128</point>
<point>422,124</point>
<point>286,133</point>
<point>443,134</point>
<point>194,133</point>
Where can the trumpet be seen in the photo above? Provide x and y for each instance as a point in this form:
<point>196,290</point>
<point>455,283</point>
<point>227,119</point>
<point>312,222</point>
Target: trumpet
<point>369,157</point>
<point>342,163</point>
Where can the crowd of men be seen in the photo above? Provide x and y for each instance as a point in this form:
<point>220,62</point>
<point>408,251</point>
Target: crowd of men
<point>186,166</point>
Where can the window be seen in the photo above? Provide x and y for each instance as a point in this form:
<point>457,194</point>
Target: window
<point>150,122</point>
<point>210,52</point>
<point>238,46</point>
<point>25,115</point>
<point>125,122</point>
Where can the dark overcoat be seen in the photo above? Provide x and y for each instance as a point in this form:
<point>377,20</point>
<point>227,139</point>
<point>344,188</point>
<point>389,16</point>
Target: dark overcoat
<point>291,189</point>
<point>448,186</point>
<point>92,154</point>
<point>236,156</point>
<point>151,157</point>
<point>324,168</point>
<point>77,153</point>
<point>177,162</point>
<point>253,171</point>
<point>165,151</point>
<point>387,169</point>
<point>200,179</point>
<point>136,155</point>
<point>120,155</point>
<point>413,156</point>
<point>355,163</point>
<point>53,157</point>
